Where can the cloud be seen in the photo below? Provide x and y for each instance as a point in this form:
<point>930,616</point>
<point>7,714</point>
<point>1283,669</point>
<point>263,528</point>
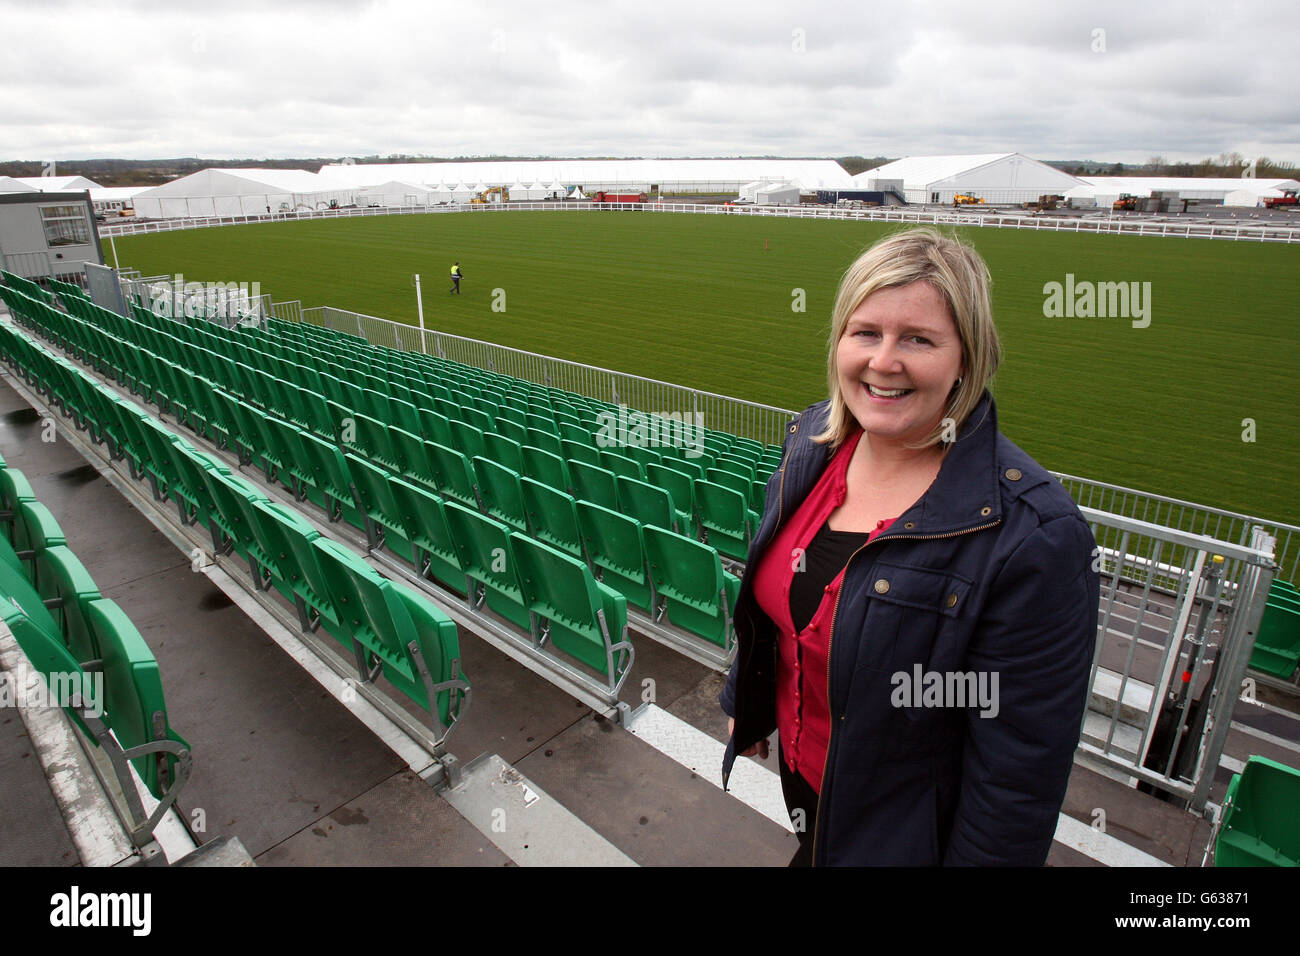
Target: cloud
<point>355,77</point>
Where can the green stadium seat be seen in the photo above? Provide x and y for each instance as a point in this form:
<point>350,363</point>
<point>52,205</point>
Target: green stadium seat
<point>1277,645</point>
<point>681,486</point>
<point>453,475</point>
<point>726,518</point>
<point>572,612</point>
<point>435,427</point>
<point>575,451</point>
<point>546,467</point>
<point>64,585</point>
<point>647,503</point>
<point>621,464</point>
<point>377,504</point>
<point>512,431</point>
<point>424,524</point>
<point>499,490</point>
<point>1260,826</point>
<point>695,593</point>
<point>552,516</point>
<point>615,545</point>
<point>504,451</point>
<point>276,565</point>
<point>594,484</point>
<point>483,545</point>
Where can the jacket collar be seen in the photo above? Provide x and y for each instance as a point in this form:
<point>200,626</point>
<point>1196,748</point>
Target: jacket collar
<point>965,494</point>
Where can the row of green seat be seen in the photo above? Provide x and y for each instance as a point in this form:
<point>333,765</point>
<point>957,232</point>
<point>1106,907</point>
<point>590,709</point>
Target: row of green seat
<point>1277,645</point>
<point>667,495</point>
<point>460,427</point>
<point>73,635</point>
<point>682,584</point>
<point>388,628</point>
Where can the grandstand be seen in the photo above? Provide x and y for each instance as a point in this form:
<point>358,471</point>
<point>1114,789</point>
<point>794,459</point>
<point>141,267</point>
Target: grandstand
<point>406,527</point>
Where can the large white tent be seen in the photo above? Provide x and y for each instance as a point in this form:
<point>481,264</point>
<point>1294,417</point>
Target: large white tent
<point>612,175</point>
<point>1102,191</point>
<point>394,193</point>
<point>993,177</point>
<point>58,184</point>
<point>777,194</point>
<point>10,185</point>
<point>243,192</point>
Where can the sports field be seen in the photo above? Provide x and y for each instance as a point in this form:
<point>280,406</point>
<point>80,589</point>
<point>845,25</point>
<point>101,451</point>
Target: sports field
<point>706,301</point>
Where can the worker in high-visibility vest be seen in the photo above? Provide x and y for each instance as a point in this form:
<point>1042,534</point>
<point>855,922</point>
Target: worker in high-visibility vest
<point>456,273</point>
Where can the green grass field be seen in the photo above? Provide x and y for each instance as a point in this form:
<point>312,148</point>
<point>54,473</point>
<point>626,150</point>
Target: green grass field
<point>706,301</point>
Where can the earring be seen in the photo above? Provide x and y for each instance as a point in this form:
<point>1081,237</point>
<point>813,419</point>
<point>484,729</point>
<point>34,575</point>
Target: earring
<point>957,384</point>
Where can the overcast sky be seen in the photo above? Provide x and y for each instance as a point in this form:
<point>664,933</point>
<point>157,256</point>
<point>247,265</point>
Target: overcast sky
<point>1104,80</point>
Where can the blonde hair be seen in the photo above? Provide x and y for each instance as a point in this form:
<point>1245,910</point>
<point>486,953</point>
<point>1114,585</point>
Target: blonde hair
<point>958,273</point>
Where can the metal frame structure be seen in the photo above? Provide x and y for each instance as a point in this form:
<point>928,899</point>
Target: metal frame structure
<point>1177,595</point>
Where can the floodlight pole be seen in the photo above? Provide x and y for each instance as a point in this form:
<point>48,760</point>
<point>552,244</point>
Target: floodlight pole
<point>419,304</point>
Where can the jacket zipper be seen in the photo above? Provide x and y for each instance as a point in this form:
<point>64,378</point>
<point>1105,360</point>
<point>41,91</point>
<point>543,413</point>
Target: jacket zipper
<point>830,640</point>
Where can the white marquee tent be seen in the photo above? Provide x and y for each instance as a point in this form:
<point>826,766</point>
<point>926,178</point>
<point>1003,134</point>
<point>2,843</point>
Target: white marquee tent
<point>994,177</point>
<point>243,192</point>
<point>1102,191</point>
<point>670,175</point>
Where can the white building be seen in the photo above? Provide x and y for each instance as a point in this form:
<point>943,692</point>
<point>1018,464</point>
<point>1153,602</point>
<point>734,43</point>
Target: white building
<point>1002,178</point>
<point>244,192</point>
<point>1102,191</point>
<point>614,175</point>
<point>58,184</point>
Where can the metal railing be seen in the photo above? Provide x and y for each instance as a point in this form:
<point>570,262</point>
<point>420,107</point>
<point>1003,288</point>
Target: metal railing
<point>1187,516</point>
<point>676,403</point>
<point>36,265</point>
<point>1178,618</point>
<point>1099,225</point>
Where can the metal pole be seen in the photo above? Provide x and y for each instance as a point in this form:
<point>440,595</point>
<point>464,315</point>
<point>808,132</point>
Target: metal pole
<point>419,304</point>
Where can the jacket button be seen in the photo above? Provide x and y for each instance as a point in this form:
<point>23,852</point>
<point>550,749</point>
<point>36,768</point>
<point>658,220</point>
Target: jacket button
<point>882,586</point>
<point>986,511</point>
<point>1013,474</point>
<point>952,600</point>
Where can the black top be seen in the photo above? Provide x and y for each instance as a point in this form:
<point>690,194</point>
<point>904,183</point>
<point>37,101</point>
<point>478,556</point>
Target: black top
<point>823,560</point>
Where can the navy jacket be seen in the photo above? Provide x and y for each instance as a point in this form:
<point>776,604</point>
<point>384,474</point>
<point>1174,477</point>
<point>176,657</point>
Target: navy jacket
<point>989,574</point>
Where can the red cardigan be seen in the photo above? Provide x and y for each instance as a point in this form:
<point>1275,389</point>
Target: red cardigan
<point>802,706</point>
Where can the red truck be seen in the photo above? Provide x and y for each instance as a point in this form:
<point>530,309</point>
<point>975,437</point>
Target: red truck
<point>1287,200</point>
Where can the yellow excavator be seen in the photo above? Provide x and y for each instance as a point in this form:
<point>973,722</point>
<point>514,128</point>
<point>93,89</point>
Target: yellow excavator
<point>486,196</point>
<point>961,199</point>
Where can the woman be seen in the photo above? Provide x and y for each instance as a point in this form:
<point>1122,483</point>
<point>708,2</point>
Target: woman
<point>919,608</point>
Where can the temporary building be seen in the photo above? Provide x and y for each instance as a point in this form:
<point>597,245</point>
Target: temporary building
<point>616,175</point>
<point>994,177</point>
<point>242,192</point>
<point>58,184</point>
<point>393,193</point>
<point>10,185</point>
<point>777,194</point>
<point>1102,191</point>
